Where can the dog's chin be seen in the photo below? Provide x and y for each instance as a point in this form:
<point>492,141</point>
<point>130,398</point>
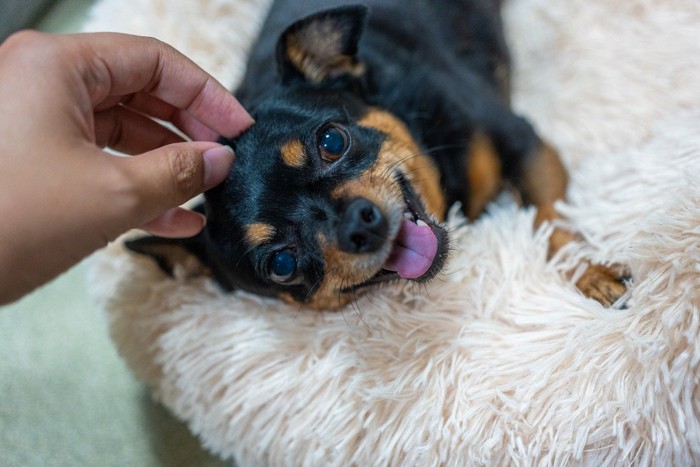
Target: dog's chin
<point>419,250</point>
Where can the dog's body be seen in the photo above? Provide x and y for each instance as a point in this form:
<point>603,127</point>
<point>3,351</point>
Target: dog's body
<point>368,127</point>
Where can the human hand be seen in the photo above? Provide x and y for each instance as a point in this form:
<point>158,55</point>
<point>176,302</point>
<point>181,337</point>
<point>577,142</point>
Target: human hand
<point>64,98</point>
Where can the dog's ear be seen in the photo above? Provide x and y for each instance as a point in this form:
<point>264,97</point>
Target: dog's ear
<point>322,46</point>
<point>188,254</point>
<point>169,253</point>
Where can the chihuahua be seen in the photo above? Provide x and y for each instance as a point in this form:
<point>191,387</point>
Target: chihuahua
<point>371,121</point>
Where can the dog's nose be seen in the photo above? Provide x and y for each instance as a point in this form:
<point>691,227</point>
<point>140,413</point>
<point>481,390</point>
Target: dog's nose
<point>362,228</point>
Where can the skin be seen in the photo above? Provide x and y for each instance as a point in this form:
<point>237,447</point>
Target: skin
<point>63,98</point>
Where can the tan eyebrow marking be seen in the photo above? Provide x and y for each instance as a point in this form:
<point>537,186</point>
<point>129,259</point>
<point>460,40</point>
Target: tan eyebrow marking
<point>293,153</point>
<point>258,233</point>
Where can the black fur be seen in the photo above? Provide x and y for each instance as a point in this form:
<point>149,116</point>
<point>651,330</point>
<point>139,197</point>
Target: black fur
<point>440,66</point>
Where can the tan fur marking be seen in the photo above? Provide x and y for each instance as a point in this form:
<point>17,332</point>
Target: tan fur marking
<point>293,153</point>
<point>545,182</point>
<point>259,233</point>
<point>345,269</point>
<point>483,174</point>
<point>560,237</point>
<point>544,178</point>
<point>325,299</point>
<point>340,273</point>
<point>313,51</point>
<point>400,150</point>
<point>602,284</point>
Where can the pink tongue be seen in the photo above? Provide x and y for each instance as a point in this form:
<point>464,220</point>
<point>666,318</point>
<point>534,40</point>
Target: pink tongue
<point>414,251</point>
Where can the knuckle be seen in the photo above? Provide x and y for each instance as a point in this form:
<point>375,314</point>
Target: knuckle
<point>185,169</point>
<point>96,76</point>
<point>160,50</point>
<point>25,38</point>
<point>28,43</point>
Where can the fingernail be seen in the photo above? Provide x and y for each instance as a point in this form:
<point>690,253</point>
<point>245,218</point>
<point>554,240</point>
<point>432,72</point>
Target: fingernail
<point>217,165</point>
<point>203,219</point>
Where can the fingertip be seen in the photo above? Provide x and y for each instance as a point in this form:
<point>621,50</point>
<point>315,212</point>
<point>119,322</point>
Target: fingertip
<point>240,120</point>
<point>176,223</point>
<point>217,165</point>
<point>218,109</point>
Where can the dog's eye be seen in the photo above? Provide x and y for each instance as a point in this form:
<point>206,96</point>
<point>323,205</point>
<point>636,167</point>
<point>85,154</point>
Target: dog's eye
<point>333,143</point>
<point>283,266</point>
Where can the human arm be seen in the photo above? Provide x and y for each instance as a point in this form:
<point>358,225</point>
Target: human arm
<point>65,97</point>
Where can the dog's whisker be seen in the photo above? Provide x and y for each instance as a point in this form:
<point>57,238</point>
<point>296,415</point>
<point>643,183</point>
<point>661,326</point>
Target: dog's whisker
<point>421,152</point>
<point>387,171</point>
<point>315,285</point>
<point>340,303</point>
<point>245,253</point>
<point>356,307</point>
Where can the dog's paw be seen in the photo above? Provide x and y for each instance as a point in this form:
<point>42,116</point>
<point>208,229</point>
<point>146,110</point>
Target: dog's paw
<point>602,284</point>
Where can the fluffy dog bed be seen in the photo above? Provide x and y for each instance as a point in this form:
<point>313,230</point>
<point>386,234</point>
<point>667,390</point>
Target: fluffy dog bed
<point>501,360</point>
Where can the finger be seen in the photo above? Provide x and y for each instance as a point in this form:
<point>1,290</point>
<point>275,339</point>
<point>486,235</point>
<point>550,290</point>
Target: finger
<point>168,176</point>
<point>154,107</point>
<point>193,128</point>
<point>176,223</point>
<point>129,132</point>
<point>130,64</point>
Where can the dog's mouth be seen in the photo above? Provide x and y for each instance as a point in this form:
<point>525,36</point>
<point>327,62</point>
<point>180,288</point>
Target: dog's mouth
<point>419,249</point>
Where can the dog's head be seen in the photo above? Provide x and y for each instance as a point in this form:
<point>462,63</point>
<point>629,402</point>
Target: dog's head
<point>328,194</point>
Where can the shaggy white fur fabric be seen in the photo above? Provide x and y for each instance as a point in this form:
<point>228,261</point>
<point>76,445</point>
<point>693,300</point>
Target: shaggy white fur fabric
<point>501,360</point>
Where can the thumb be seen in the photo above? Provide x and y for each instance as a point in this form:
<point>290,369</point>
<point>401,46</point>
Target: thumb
<point>166,177</point>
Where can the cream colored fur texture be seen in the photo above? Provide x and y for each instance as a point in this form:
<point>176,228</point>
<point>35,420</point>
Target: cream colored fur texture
<point>500,360</point>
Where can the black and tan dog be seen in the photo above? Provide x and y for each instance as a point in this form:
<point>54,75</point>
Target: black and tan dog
<point>370,123</point>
